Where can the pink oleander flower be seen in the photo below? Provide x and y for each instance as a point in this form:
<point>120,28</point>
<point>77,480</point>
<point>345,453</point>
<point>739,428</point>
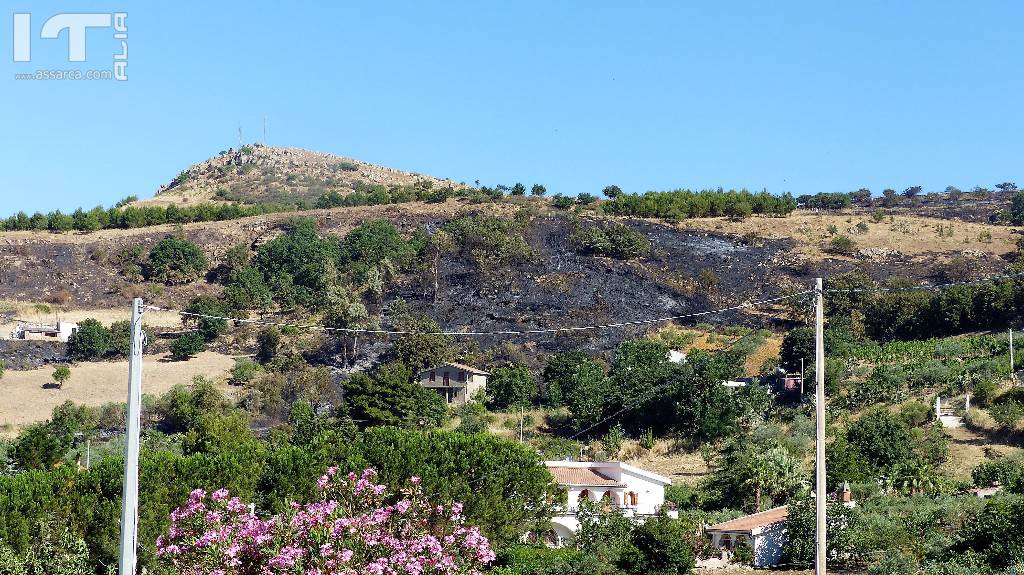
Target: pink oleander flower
<point>356,528</point>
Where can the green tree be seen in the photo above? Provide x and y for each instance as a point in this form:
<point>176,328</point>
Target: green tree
<point>390,397</point>
<point>518,189</point>
<point>612,192</point>
<point>246,290</point>
<point>175,261</point>
<point>584,389</point>
<point>181,406</point>
<point>800,530</point>
<point>603,532</point>
<point>995,532</point>
<point>538,190</point>
<point>121,338</point>
<point>1017,208</point>
<point>797,344</point>
<point>37,447</point>
<point>881,437</point>
<point>659,546</point>
<point>511,386</point>
<point>91,341</point>
<point>423,347</point>
<point>61,375</point>
<point>558,371</point>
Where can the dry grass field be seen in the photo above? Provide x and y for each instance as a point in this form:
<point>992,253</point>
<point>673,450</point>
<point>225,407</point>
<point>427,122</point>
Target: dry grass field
<point>47,314</point>
<point>968,449</point>
<point>27,397</point>
<point>903,234</point>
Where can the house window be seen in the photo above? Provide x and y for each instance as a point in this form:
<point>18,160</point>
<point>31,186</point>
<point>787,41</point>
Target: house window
<point>633,498</point>
<point>462,376</point>
<point>446,382</point>
<point>433,376</point>
<point>584,495</point>
<point>725,542</point>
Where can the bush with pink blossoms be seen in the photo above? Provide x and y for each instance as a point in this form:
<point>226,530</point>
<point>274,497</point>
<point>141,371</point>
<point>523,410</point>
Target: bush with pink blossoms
<point>355,528</point>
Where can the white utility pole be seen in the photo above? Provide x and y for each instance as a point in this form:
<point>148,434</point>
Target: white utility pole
<point>819,404</point>
<point>521,417</point>
<point>801,379</point>
<point>1013,373</point>
<point>130,490</point>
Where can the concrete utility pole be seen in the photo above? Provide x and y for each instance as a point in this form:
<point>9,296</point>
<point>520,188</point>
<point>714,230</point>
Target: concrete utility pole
<point>130,490</point>
<point>1013,373</point>
<point>521,417</point>
<point>819,408</point>
<point>801,379</point>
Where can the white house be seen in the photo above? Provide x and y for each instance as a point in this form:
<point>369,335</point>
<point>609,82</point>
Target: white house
<point>765,532</point>
<point>637,493</point>
<point>60,332</point>
<point>456,383</point>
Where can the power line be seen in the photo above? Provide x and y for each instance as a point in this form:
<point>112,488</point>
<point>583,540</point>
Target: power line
<point>314,327</point>
<point>653,392</point>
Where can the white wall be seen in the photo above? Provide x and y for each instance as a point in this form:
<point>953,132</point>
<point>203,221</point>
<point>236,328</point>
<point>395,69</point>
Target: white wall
<point>768,545</point>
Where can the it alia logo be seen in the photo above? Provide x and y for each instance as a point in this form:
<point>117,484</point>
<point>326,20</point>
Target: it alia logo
<point>77,26</point>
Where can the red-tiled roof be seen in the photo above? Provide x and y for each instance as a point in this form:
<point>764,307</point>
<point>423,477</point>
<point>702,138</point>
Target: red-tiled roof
<point>748,523</point>
<point>582,476</point>
<point>461,366</point>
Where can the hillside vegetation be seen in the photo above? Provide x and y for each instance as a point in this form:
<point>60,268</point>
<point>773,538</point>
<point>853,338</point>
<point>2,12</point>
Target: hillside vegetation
<point>345,303</point>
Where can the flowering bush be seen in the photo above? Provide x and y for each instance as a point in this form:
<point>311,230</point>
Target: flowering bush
<point>351,530</point>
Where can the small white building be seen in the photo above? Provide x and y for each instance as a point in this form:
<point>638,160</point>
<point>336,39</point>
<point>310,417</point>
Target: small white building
<point>37,331</point>
<point>455,382</point>
<point>635,492</point>
<point>765,532</point>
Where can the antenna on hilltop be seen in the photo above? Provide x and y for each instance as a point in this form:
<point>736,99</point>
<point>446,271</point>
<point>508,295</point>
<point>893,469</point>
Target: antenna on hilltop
<point>264,130</point>
<point>239,135</point>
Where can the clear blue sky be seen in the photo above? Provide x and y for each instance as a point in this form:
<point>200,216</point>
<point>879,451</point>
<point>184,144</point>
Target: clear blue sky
<point>791,96</point>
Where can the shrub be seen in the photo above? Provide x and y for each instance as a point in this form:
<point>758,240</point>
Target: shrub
<point>659,546</point>
<point>187,346</point>
<point>617,241</point>
<point>842,245</point>
<point>37,447</point>
<point>175,261</point>
<point>492,242</point>
<point>1002,471</point>
<point>244,370</point>
<point>267,343</point>
<point>916,413</point>
<point>473,418</point>
<point>1008,414</point>
<point>984,392</point>
<point>418,533</point>
<point>562,202</point>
